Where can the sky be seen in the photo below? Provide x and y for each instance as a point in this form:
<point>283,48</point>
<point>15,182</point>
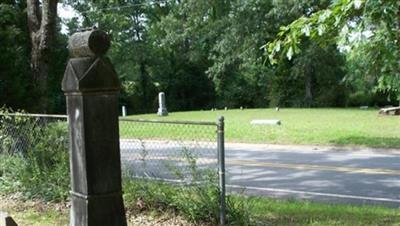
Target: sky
<point>65,12</point>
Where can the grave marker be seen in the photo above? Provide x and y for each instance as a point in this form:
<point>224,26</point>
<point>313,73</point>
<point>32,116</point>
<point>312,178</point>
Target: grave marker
<point>91,87</point>
<point>162,109</point>
<point>123,111</point>
<point>266,122</point>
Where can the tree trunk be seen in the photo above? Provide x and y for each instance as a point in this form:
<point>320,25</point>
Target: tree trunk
<point>41,24</point>
<point>143,84</point>
<point>308,87</point>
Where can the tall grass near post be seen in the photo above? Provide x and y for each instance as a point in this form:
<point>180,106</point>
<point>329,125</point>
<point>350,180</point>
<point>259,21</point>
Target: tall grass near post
<point>195,195</point>
<point>34,157</point>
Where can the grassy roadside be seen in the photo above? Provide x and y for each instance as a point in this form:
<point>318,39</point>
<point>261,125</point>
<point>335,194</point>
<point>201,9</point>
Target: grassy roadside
<point>264,212</point>
<point>34,212</point>
<point>43,174</point>
<point>261,210</point>
<point>283,212</point>
<point>299,126</point>
<point>39,213</point>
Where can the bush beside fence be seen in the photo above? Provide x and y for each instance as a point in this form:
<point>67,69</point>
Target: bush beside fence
<point>34,153</point>
<point>35,163</point>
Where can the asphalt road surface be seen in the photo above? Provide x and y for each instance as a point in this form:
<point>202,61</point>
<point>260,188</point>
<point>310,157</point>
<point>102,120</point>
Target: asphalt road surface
<point>323,174</point>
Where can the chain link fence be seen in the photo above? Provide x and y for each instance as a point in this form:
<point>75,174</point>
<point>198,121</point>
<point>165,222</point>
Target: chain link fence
<point>21,133</point>
<point>178,151</point>
<point>172,151</point>
<point>184,152</point>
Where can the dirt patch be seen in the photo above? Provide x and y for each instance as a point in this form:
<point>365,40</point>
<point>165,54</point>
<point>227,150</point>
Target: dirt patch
<point>36,212</point>
<point>147,219</point>
<point>14,203</point>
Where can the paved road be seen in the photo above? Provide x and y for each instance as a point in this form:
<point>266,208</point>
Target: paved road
<point>323,174</point>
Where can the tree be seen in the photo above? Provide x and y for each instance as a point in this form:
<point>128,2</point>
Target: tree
<point>299,82</point>
<point>151,54</point>
<point>41,23</point>
<point>15,79</point>
<point>371,26</point>
<point>206,54</point>
<point>127,24</point>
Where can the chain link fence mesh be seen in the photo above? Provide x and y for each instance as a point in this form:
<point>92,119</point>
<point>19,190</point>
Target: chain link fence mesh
<point>20,133</point>
<point>171,151</point>
<point>176,151</point>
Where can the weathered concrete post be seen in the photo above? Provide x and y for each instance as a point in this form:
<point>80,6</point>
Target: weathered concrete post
<point>162,109</point>
<point>91,87</point>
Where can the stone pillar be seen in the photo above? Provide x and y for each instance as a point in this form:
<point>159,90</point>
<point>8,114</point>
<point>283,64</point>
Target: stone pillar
<point>91,87</point>
<point>162,109</point>
<point>6,220</point>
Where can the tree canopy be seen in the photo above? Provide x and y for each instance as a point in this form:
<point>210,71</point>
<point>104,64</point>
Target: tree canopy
<point>212,53</point>
<point>367,31</point>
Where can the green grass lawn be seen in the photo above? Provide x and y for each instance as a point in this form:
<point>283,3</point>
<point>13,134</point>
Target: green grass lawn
<point>299,126</point>
<point>282,212</point>
<point>34,212</point>
<point>263,211</point>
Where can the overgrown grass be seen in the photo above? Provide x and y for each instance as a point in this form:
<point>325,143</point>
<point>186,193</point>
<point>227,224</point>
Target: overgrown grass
<point>198,204</point>
<point>299,126</point>
<point>157,198</point>
<point>35,212</point>
<point>283,212</point>
<point>42,171</point>
<point>146,195</point>
<point>197,197</point>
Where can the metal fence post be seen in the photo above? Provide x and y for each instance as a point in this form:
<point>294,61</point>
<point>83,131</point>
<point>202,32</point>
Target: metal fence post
<point>221,168</point>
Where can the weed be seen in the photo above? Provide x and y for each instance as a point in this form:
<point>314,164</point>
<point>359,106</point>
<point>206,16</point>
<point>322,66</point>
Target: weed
<point>40,169</point>
<point>196,197</point>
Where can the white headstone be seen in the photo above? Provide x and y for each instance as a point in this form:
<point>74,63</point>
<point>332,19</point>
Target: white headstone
<point>162,109</point>
<point>123,111</point>
<point>265,122</point>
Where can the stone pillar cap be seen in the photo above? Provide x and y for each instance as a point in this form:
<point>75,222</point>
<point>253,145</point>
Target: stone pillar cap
<point>88,75</point>
<point>88,71</point>
<point>88,42</point>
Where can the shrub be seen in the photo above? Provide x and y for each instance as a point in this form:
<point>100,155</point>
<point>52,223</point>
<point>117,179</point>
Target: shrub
<point>196,198</point>
<point>41,170</point>
<point>16,133</point>
<point>196,203</point>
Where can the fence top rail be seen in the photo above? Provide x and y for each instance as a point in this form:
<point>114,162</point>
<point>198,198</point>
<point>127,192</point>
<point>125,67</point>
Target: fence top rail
<point>34,115</point>
<point>204,123</point>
